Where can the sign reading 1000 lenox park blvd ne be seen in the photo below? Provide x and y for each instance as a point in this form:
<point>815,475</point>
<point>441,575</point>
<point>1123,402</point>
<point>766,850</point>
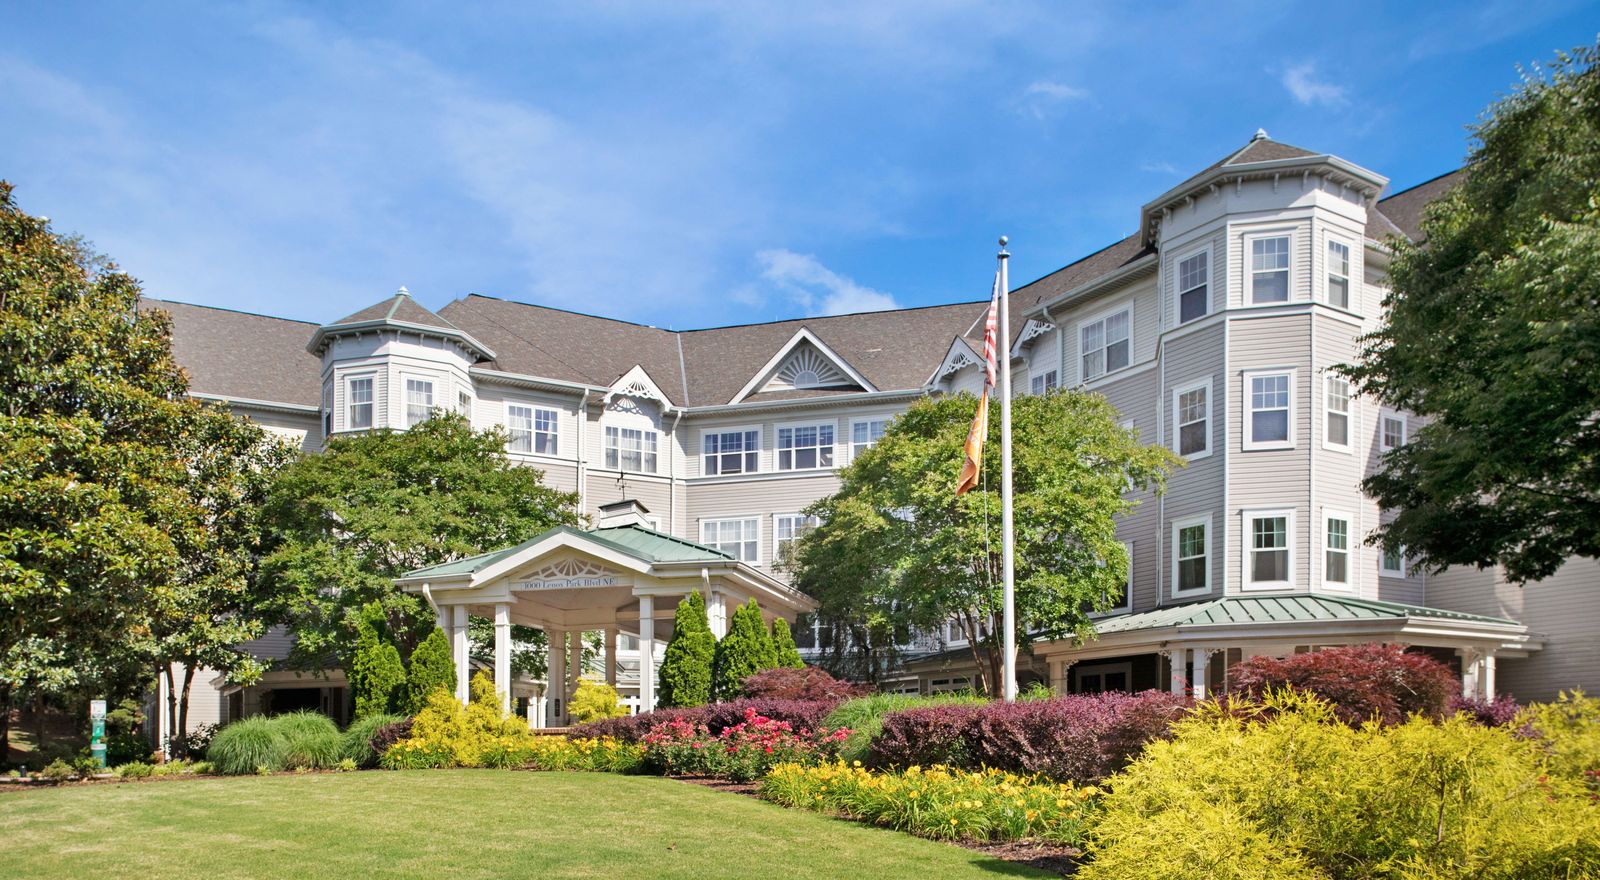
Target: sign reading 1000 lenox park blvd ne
<point>569,583</point>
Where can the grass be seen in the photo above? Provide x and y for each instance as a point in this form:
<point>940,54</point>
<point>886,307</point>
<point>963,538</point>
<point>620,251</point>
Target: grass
<point>449,823</point>
<point>864,716</point>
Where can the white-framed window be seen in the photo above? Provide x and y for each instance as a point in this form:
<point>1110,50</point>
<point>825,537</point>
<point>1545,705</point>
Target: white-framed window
<point>1194,286</point>
<point>1336,549</point>
<point>1191,420</point>
<point>631,449</point>
<point>1392,563</point>
<point>533,429</point>
<point>805,447</point>
<point>1268,549</point>
<point>1044,382</point>
<point>1126,602</point>
<point>1105,345</point>
<point>1191,555</point>
<point>730,451</point>
<point>419,401</point>
<point>464,404</point>
<point>865,432</point>
<point>358,406</point>
<point>1338,281</point>
<point>739,538</point>
<point>327,410</point>
<point>1394,431</point>
<point>1269,269</point>
<point>786,527</point>
<point>1100,678</point>
<point>1336,428</point>
<point>1269,409</point>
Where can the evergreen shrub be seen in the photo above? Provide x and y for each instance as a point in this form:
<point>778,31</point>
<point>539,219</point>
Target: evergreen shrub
<point>448,734</point>
<point>431,670</point>
<point>786,655</point>
<point>744,651</point>
<point>594,701</point>
<point>685,673</point>
<point>1362,682</point>
<point>377,677</point>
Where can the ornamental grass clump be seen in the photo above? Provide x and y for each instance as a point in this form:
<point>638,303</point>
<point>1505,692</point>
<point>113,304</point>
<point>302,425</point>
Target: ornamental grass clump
<point>245,745</point>
<point>939,802</point>
<point>355,743</point>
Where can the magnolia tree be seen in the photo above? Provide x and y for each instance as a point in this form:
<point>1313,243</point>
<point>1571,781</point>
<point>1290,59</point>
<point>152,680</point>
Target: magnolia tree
<point>898,551</point>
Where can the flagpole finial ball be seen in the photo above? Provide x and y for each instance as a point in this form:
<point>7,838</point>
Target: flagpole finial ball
<point>1003,240</point>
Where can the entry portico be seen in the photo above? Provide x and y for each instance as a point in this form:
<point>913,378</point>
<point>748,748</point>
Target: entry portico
<point>622,577</point>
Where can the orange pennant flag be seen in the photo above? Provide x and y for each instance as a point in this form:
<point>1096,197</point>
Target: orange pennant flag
<point>975,437</point>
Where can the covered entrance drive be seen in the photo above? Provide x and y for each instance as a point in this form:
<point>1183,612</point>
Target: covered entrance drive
<point>620,578</point>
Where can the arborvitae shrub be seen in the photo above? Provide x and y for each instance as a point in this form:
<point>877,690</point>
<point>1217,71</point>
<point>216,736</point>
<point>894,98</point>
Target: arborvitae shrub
<point>431,670</point>
<point>788,656</point>
<point>377,677</point>
<point>685,675</point>
<point>744,651</point>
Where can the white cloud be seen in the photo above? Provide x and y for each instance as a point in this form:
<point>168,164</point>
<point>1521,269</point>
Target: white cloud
<point>1159,167</point>
<point>1043,96</point>
<point>1301,81</point>
<point>818,289</point>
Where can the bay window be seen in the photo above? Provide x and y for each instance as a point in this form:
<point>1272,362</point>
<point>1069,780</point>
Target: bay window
<point>1269,269</point>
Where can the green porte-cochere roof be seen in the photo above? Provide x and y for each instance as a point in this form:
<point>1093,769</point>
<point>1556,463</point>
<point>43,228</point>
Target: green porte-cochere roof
<point>636,541</point>
<point>1296,608</point>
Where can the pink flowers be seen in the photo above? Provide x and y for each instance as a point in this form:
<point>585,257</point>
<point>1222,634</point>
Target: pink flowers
<point>745,750</point>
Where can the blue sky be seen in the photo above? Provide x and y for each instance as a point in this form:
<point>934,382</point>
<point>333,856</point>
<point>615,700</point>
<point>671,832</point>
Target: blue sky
<point>690,163</point>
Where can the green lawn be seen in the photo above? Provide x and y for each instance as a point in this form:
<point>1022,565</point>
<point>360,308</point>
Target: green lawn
<point>458,824</point>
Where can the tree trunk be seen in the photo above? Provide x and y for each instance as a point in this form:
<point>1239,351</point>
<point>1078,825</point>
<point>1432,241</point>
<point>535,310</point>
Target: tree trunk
<point>171,710</point>
<point>182,725</point>
<point>5,724</point>
<point>38,724</point>
<point>969,626</point>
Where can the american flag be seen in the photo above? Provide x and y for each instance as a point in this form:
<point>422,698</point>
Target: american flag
<point>991,329</point>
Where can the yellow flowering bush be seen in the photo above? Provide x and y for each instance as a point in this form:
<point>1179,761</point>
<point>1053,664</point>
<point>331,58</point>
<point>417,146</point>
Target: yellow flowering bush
<point>938,801</point>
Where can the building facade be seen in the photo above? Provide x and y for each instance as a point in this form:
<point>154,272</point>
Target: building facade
<point>1213,330</point>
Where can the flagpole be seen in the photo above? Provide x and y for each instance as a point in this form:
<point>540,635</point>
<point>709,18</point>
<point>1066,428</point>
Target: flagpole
<point>1009,563</point>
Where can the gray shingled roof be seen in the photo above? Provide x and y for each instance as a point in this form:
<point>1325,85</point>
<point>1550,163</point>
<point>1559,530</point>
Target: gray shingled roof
<point>242,355</point>
<point>1404,209</point>
<point>400,307</point>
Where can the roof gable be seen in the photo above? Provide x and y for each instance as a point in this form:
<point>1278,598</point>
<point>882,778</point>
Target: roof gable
<point>805,363</point>
<point>637,383</point>
<point>398,312</point>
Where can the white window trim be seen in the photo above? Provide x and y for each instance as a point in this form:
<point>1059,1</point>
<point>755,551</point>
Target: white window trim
<point>1124,306</point>
<point>1176,526</point>
<point>533,430</point>
<point>349,380</point>
<point>1350,276</point>
<point>777,451</point>
<point>850,442</point>
<point>1127,588</point>
<point>1249,267</point>
<point>1178,290</point>
<point>1249,444</point>
<point>1327,413</point>
<point>1405,429</point>
<point>1177,392</point>
<point>1349,584</point>
<point>732,519</point>
<point>1405,565</point>
<point>1247,542</point>
<point>1046,370</point>
<point>327,409</point>
<point>775,541</point>
<point>642,453</point>
<point>405,396</point>
<point>761,448</point>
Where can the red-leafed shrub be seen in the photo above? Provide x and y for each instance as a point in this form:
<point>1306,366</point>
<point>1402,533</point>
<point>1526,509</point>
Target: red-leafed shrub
<point>715,717</point>
<point>741,752</point>
<point>1362,682</point>
<point>1082,738</point>
<point>806,683</point>
<point>1498,712</point>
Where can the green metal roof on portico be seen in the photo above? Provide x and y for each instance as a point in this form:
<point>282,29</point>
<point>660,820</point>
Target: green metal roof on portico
<point>1297,608</point>
<point>644,544</point>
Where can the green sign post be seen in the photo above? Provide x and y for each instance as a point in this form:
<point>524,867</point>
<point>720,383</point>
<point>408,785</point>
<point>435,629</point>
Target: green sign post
<point>97,735</point>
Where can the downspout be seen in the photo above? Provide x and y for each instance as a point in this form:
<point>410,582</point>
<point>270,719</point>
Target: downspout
<point>672,480</point>
<point>583,453</point>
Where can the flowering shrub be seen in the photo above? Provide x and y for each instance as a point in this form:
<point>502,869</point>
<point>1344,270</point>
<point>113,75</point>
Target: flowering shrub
<point>1361,681</point>
<point>605,754</point>
<point>805,683</point>
<point>1081,738</point>
<point>741,752</point>
<point>938,802</point>
<point>1490,713</point>
<point>716,717</point>
<point>1567,733</point>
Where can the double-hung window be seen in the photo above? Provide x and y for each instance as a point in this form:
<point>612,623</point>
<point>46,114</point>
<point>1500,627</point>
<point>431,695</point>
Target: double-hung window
<point>1269,269</point>
<point>631,449</point>
<point>805,447</point>
<point>1041,383</point>
<point>1336,413</point>
<point>731,452</point>
<point>1268,557</point>
<point>358,403</point>
<point>865,433</point>
<point>1105,344</point>
<point>1194,282</point>
<point>1191,414</point>
<point>1338,274</point>
<point>327,410</point>
<point>419,401</point>
<point>1394,431</point>
<point>1336,549</point>
<point>739,538</point>
<point>1269,413</point>
<point>1392,562</point>
<point>1191,554</point>
<point>1124,602</point>
<point>533,429</point>
<point>786,529</point>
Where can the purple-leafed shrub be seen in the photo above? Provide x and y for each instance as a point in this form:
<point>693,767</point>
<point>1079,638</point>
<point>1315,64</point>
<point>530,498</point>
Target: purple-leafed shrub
<point>716,717</point>
<point>1083,738</point>
<point>388,735</point>
<point>1498,712</point>
<point>1361,681</point>
<point>808,683</point>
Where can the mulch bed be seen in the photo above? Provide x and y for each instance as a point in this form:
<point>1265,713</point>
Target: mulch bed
<point>1053,857</point>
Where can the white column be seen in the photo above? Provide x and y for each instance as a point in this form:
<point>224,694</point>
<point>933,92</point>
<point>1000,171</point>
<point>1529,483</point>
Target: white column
<point>1177,681</point>
<point>441,618</point>
<point>717,614</point>
<point>647,653</point>
<point>555,703</point>
<point>459,652</point>
<point>574,663</point>
<point>1487,682</point>
<point>1202,664</point>
<point>610,655</point>
<point>502,655</point>
<point>1469,672</point>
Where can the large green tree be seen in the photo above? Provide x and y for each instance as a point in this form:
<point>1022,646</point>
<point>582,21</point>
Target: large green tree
<point>373,506</point>
<point>897,550</point>
<point>744,651</point>
<point>1493,338</point>
<point>685,673</point>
